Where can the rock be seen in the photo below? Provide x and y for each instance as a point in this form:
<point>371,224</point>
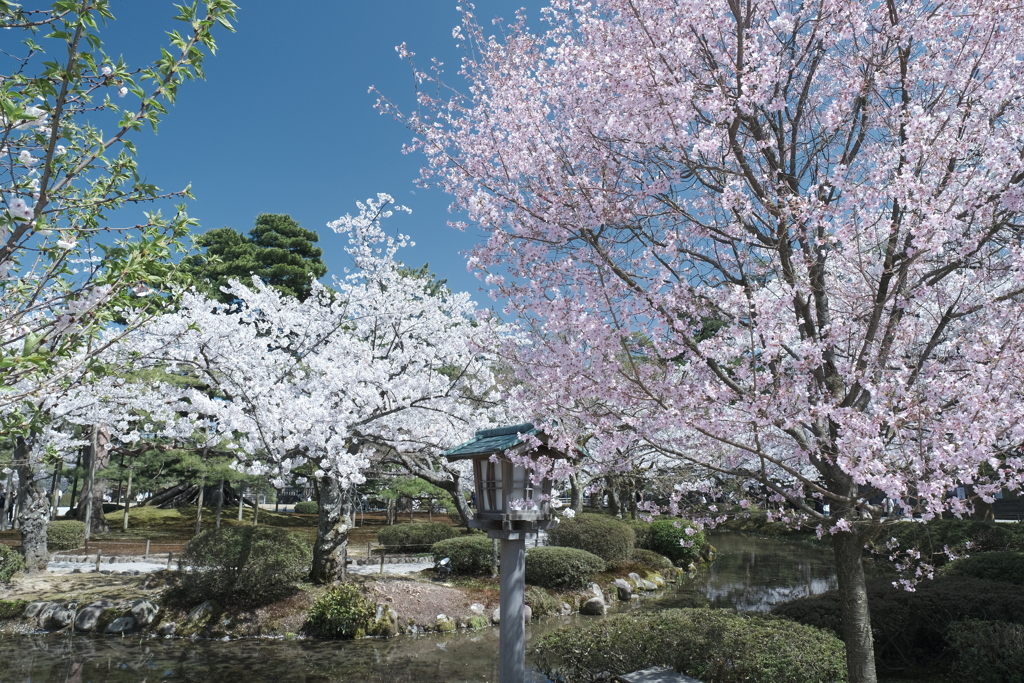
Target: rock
<point>88,617</point>
<point>657,579</point>
<point>204,611</point>
<point>34,608</point>
<point>167,629</point>
<point>496,616</point>
<point>445,624</point>
<point>594,606</point>
<point>121,625</point>
<point>596,590</point>
<point>691,567</point>
<point>477,621</point>
<point>648,585</point>
<point>527,614</point>
<point>59,618</point>
<point>565,610</point>
<point>144,611</point>
<point>624,590</point>
<point>477,608</point>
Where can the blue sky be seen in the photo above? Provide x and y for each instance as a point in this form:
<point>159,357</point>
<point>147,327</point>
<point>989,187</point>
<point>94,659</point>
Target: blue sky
<point>284,122</point>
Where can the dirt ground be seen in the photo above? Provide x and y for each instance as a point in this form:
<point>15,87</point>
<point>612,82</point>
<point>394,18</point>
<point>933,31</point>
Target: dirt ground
<point>82,587</point>
<point>422,601</point>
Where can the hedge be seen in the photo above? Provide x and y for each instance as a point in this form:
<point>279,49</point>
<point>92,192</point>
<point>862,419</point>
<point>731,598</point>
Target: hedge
<point>11,562</point>
<point>911,629</point>
<point>468,554</point>
<point>307,507</point>
<point>714,646</point>
<point>650,558</point>
<point>666,537</point>
<point>244,566</point>
<point>607,537</point>
<point>1000,565</point>
<point>932,538</point>
<point>988,651</point>
<point>415,537</point>
<point>65,535</point>
<point>561,568</point>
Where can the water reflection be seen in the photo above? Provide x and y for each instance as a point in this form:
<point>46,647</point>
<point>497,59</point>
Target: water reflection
<point>750,574</point>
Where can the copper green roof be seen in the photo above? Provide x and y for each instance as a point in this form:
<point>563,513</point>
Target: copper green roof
<point>488,441</point>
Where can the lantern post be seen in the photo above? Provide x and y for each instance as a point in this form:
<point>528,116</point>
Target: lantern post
<point>511,505</point>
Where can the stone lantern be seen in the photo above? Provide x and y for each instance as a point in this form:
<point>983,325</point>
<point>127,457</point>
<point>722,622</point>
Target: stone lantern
<point>510,506</point>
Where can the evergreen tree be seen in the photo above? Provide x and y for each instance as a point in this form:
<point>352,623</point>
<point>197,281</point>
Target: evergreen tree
<point>279,250</point>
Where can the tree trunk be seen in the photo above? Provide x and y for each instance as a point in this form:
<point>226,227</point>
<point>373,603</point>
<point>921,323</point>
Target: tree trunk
<point>54,498</point>
<point>220,503</point>
<point>199,510</point>
<point>96,461</point>
<point>241,500</point>
<point>34,513</point>
<point>8,500</point>
<point>860,651</point>
<point>575,494</point>
<point>614,503</point>
<point>128,498</point>
<point>335,519</point>
<point>72,508</point>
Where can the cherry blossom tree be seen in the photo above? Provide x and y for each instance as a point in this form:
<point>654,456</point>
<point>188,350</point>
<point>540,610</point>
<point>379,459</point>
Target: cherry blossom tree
<point>380,362</point>
<point>811,212</point>
<point>68,113</point>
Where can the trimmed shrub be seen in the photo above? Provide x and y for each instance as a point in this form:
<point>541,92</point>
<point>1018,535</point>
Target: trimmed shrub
<point>642,531</point>
<point>666,539</point>
<point>65,535</point>
<point>342,612</point>
<point>307,507</point>
<point>243,566</point>
<point>1001,565</point>
<point>415,537</point>
<point>715,646</point>
<point>988,651</point>
<point>607,537</point>
<point>541,603</point>
<point>911,629</point>
<point>650,558</point>
<point>468,554</point>
<point>561,568</point>
<point>932,538</point>
<point>11,562</point>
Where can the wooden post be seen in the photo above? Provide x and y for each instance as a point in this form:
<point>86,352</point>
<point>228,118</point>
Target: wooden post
<point>382,553</point>
<point>255,507</point>
<point>147,549</point>
<point>170,556</point>
<point>512,629</point>
<point>99,554</point>
<point>241,500</point>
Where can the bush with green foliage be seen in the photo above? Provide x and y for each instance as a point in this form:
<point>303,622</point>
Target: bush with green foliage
<point>714,646</point>
<point>988,651</point>
<point>911,628</point>
<point>65,535</point>
<point>307,507</point>
<point>342,612</point>
<point>415,537</point>
<point>542,603</point>
<point>650,558</point>
<point>642,532</point>
<point>561,568</point>
<point>11,562</point>
<point>243,566</point>
<point>607,537</point>
<point>933,538</point>
<point>999,565</point>
<point>666,537</point>
<point>468,554</point>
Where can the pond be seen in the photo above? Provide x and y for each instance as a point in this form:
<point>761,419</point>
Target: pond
<point>749,573</point>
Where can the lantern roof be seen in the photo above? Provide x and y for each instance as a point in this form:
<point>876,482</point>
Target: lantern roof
<point>491,441</point>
